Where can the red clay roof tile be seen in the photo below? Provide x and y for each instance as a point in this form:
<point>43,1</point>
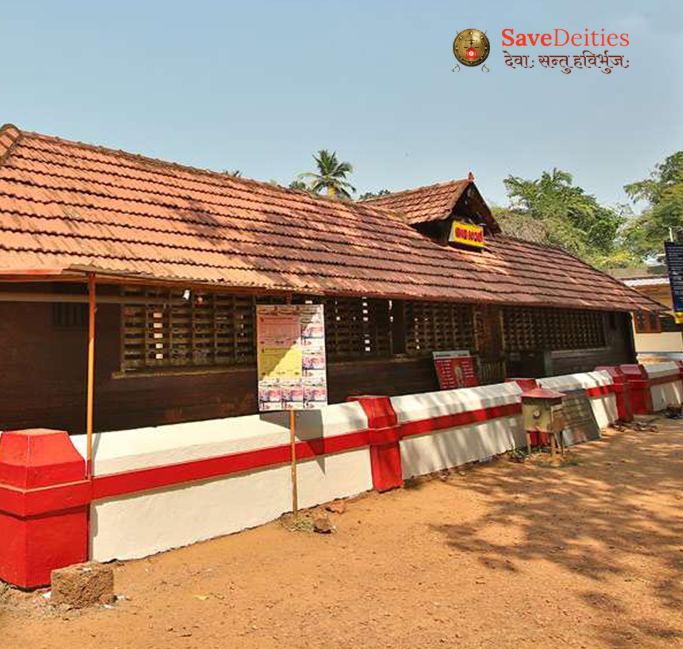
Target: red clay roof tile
<point>72,206</point>
<point>422,204</point>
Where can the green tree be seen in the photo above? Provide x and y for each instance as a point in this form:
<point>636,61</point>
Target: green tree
<point>381,192</point>
<point>663,194</point>
<point>331,176</point>
<point>570,218</point>
<point>299,185</point>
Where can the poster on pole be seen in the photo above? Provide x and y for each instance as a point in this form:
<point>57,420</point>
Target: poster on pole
<point>455,369</point>
<point>674,262</point>
<point>291,364</point>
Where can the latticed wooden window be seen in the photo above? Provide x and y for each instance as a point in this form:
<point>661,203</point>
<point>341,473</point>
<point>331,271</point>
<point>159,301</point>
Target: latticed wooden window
<point>540,328</point>
<point>162,329</point>
<point>434,326</point>
<point>357,328</point>
<point>649,323</point>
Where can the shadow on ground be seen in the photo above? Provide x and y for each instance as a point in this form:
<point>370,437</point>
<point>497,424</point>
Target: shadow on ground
<point>617,511</point>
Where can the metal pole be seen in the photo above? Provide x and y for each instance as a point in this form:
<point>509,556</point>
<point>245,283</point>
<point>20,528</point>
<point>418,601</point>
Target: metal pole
<point>292,440</point>
<point>292,445</point>
<point>91,370</point>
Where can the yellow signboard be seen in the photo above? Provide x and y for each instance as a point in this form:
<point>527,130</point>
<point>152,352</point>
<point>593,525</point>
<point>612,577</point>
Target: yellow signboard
<point>467,234</point>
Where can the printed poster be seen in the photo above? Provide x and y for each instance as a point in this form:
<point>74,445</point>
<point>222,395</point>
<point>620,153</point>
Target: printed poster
<point>291,364</point>
<point>455,369</point>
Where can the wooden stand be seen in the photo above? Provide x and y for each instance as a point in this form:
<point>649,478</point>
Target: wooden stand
<point>555,442</point>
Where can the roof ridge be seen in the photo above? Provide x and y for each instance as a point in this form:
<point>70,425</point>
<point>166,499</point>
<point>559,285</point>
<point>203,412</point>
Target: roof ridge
<point>414,189</point>
<point>10,135</point>
<point>197,170</point>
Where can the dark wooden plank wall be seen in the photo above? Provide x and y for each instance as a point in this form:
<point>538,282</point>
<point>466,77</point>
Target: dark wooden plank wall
<point>42,377</point>
<point>619,349</point>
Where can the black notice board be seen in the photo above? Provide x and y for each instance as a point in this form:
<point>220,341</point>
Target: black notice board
<point>580,422</point>
<point>674,262</point>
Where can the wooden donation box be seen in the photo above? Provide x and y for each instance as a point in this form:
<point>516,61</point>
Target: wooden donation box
<point>543,415</point>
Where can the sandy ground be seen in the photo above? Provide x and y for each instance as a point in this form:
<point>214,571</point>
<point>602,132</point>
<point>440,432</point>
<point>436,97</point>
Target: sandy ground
<point>501,555</point>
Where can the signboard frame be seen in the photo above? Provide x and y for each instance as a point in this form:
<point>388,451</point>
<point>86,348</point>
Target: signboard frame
<point>291,365</point>
<point>291,360</point>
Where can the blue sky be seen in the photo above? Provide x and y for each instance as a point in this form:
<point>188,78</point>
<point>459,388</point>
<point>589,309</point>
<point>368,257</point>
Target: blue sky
<point>261,85</point>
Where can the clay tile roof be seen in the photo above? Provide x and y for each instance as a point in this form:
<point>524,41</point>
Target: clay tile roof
<point>67,207</point>
<point>422,204</point>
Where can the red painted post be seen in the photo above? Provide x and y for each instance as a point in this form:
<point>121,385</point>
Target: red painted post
<point>525,384</point>
<point>641,396</point>
<point>384,434</point>
<point>44,502</point>
<point>622,391</point>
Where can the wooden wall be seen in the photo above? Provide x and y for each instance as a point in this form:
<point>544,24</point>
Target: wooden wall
<point>42,376</point>
<point>619,349</point>
<point>43,369</point>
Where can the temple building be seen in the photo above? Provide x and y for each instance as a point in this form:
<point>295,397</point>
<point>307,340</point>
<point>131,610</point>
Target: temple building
<point>172,260</point>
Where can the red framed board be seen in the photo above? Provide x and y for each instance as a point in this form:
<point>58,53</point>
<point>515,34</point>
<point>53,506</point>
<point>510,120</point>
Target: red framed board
<point>455,369</point>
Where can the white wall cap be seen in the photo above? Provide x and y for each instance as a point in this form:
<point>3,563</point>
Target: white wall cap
<point>415,407</point>
<point>656,370</point>
<point>576,381</point>
<point>157,446</point>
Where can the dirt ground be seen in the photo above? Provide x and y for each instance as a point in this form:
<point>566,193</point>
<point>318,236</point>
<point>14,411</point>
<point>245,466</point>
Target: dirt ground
<point>502,555</point>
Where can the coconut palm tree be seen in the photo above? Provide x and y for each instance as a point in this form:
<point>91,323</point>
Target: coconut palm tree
<point>331,177</point>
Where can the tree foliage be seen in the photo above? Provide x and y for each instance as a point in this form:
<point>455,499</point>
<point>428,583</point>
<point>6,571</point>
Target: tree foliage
<point>663,194</point>
<point>331,175</point>
<point>381,192</point>
<point>299,185</point>
<point>569,217</point>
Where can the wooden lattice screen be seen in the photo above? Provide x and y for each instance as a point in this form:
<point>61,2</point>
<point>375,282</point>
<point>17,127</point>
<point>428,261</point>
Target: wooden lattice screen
<point>537,328</point>
<point>434,326</point>
<point>357,328</point>
<point>161,329</point>
<point>169,331</point>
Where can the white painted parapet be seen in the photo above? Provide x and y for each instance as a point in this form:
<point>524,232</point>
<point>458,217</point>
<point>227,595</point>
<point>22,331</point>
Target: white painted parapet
<point>665,384</point>
<point>598,387</point>
<point>440,430</point>
<point>165,487</point>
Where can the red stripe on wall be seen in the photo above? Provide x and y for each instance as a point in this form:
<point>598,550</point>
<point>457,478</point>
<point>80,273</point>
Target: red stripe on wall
<point>126,482</point>
<point>459,419</point>
<point>600,390</point>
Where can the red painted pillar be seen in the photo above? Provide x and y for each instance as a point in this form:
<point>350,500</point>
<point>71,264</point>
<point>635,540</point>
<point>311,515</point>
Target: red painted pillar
<point>385,434</point>
<point>622,391</point>
<point>641,396</point>
<point>44,502</point>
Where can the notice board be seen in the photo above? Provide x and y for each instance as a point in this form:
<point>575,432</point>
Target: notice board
<point>674,262</point>
<point>455,369</point>
<point>580,422</point>
<point>291,364</point>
